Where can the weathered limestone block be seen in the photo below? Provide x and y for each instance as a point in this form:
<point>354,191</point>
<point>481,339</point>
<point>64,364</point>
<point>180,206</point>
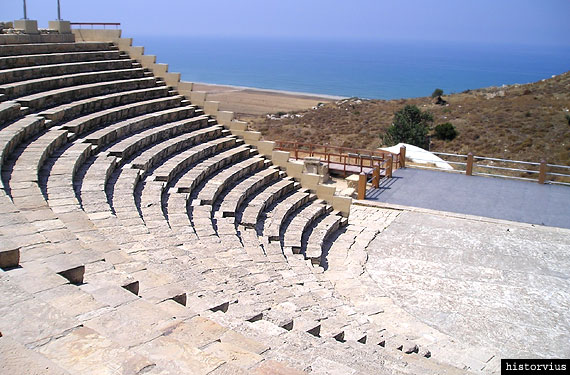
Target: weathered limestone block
<point>63,27</point>
<point>225,117</point>
<point>295,169</point>
<point>27,26</point>
<point>342,204</point>
<point>125,43</point>
<point>311,181</point>
<point>9,254</point>
<point>238,125</point>
<point>211,107</point>
<point>198,98</point>
<point>265,148</point>
<point>326,192</point>
<point>147,61</point>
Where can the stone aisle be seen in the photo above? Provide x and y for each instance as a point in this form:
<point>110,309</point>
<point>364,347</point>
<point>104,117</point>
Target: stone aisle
<point>357,278</point>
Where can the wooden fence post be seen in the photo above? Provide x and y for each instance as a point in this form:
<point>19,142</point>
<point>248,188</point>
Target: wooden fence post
<point>376,176</point>
<point>402,156</point>
<point>296,145</point>
<point>361,186</point>
<point>469,167</point>
<point>389,166</point>
<point>542,172</point>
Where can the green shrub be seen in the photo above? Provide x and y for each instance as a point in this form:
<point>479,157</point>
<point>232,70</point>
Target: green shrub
<point>410,125</point>
<point>436,93</point>
<point>445,131</point>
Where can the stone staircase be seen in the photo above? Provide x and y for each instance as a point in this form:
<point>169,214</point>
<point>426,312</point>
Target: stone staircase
<point>139,236</point>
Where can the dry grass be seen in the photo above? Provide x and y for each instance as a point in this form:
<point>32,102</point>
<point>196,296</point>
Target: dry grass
<point>521,122</point>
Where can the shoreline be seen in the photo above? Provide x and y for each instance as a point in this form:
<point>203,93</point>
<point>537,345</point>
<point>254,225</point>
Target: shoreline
<point>300,94</point>
<point>251,101</point>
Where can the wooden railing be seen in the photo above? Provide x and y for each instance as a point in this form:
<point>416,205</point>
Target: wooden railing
<point>92,24</point>
<point>472,165</point>
<point>344,159</point>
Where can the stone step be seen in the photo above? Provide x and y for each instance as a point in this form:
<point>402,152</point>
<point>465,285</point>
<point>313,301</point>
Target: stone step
<point>43,48</point>
<point>66,112</point>
<point>116,114</point>
<point>18,132</point>
<point>301,222</point>
<point>17,89</point>
<point>110,133</point>
<point>278,215</point>
<point>265,199</point>
<point>17,359</point>
<point>176,164</point>
<point>65,95</point>
<point>189,127</point>
<point>207,167</point>
<point>214,186</point>
<point>9,111</point>
<point>317,237</point>
<point>38,71</point>
<point>240,192</point>
<point>164,150</point>
<point>11,62</point>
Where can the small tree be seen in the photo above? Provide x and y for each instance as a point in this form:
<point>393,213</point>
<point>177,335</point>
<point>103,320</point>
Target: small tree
<point>445,131</point>
<point>410,125</point>
<point>436,93</point>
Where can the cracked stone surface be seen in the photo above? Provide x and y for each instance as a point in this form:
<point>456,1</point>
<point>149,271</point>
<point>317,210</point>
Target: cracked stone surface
<point>490,284</point>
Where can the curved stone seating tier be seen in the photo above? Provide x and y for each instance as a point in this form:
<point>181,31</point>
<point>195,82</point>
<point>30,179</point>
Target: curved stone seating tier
<point>265,199</point>
<point>17,89</point>
<point>320,232</point>
<point>94,104</point>
<point>135,142</point>
<point>9,111</point>
<point>178,163</point>
<point>65,95</point>
<point>214,186</point>
<point>124,189</point>
<point>121,268</point>
<point>11,62</point>
<point>151,206</point>
<point>40,71</point>
<point>144,109</point>
<point>31,160</point>
<point>42,48</point>
<point>277,216</point>
<point>152,192</point>
<point>201,219</point>
<point>175,144</point>
<point>192,178</point>
<point>240,192</point>
<point>17,132</point>
<point>301,222</point>
<point>120,129</point>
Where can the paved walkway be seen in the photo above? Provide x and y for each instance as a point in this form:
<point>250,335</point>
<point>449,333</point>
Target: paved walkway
<point>497,198</point>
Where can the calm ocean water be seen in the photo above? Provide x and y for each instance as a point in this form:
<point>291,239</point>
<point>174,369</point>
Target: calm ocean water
<point>384,70</point>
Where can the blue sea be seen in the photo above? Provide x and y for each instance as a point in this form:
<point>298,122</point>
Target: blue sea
<point>367,69</point>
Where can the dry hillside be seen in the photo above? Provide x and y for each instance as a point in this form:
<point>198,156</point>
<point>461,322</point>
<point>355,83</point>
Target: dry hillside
<point>521,122</point>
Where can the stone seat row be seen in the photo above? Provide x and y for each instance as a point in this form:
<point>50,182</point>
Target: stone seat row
<point>28,60</point>
<point>34,72</point>
<point>51,48</point>
<point>65,95</point>
<point>32,86</point>
<point>142,263</point>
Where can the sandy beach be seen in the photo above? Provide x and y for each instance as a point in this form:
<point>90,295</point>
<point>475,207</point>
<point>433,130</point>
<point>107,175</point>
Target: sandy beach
<point>249,101</point>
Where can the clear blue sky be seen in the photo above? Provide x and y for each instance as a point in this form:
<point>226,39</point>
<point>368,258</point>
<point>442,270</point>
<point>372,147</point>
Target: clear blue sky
<point>501,21</point>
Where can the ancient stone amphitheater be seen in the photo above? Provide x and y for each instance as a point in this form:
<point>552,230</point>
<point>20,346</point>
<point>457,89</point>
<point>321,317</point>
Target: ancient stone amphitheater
<point>140,234</point>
